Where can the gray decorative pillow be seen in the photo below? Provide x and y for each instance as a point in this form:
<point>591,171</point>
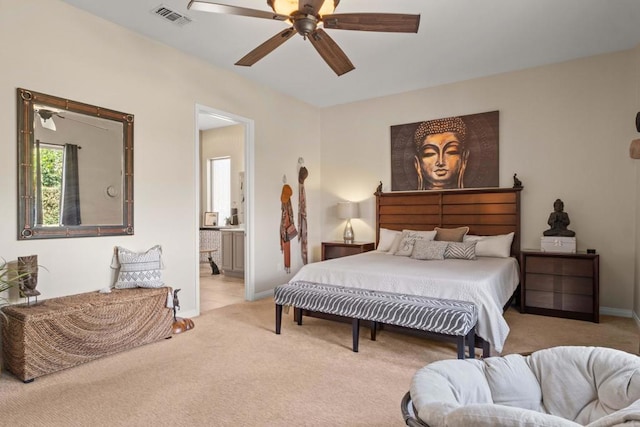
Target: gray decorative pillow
<point>428,249</point>
<point>460,250</point>
<point>406,247</point>
<point>138,269</point>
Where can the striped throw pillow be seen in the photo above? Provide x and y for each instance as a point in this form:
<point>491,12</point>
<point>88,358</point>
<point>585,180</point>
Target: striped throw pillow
<point>460,250</point>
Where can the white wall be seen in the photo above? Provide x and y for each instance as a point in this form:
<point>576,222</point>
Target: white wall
<point>90,60</point>
<point>636,301</point>
<point>564,129</point>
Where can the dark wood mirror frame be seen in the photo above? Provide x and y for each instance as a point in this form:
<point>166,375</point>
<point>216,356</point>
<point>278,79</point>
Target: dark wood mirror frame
<point>27,229</point>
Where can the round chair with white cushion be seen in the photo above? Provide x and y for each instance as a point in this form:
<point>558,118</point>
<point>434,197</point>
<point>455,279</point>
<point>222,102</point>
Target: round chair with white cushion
<point>559,386</point>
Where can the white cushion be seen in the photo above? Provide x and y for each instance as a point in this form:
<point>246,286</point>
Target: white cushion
<point>492,246</point>
<point>600,381</point>
<point>386,239</point>
<point>512,383</point>
<point>488,415</point>
<point>453,381</point>
<point>138,269</point>
<point>559,386</point>
<point>629,416</point>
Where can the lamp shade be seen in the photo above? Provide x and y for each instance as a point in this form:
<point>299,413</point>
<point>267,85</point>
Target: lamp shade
<point>348,210</point>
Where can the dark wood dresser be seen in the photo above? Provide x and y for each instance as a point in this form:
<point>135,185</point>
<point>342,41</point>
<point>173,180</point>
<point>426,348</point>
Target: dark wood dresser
<point>338,249</point>
<point>560,284</point>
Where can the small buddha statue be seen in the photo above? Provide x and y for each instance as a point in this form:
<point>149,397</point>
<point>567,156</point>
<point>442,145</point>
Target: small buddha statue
<point>559,221</point>
<point>28,272</point>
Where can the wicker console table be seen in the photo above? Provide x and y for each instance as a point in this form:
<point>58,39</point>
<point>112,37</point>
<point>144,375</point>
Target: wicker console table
<point>59,333</point>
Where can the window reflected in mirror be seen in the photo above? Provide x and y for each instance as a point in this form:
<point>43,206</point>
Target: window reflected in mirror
<point>76,168</point>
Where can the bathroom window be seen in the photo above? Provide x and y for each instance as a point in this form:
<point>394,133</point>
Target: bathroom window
<point>220,187</point>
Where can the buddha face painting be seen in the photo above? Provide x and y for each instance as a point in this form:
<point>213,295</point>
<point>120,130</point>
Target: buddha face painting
<point>448,153</point>
<point>439,161</point>
<point>441,155</point>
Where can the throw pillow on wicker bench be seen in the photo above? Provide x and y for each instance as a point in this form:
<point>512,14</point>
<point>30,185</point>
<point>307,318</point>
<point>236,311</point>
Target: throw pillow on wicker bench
<point>63,332</point>
<point>437,316</point>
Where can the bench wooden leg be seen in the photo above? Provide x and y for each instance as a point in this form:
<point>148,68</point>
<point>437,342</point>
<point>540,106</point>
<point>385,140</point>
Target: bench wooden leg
<point>278,318</point>
<point>355,326</point>
<point>486,349</point>
<point>460,341</point>
<point>374,326</point>
<point>297,314</point>
<point>471,341</point>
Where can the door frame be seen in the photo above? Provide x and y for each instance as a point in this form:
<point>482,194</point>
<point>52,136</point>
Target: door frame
<point>249,159</point>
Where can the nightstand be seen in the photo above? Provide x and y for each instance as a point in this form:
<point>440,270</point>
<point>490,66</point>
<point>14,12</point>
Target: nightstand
<point>338,248</point>
<point>560,284</point>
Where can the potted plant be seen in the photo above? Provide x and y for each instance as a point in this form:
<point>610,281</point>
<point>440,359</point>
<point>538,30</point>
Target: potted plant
<point>9,277</point>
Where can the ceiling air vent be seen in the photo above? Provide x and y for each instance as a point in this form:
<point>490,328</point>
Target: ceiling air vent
<point>170,15</point>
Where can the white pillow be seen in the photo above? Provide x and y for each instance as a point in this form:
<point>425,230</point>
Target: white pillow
<point>386,239</point>
<point>396,243</point>
<point>138,269</point>
<point>493,246</point>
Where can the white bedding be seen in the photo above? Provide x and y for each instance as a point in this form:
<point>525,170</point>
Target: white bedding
<point>487,282</point>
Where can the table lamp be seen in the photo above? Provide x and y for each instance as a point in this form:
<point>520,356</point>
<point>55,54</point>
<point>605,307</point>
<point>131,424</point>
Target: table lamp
<point>348,210</point>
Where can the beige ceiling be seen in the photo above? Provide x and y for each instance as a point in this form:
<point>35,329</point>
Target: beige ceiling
<point>457,40</point>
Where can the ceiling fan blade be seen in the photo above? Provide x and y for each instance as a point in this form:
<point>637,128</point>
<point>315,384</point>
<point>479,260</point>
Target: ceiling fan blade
<point>265,48</point>
<point>383,22</point>
<point>310,5</point>
<point>330,52</point>
<point>206,6</point>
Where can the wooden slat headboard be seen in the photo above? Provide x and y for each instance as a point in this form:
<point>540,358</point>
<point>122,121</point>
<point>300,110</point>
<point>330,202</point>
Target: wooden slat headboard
<point>486,211</point>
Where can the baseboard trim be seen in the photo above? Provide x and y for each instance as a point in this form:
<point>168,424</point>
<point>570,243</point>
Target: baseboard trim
<point>264,294</point>
<point>618,312</point>
<point>187,314</point>
<point>637,319</point>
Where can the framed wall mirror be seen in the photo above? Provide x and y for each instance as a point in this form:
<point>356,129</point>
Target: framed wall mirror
<point>75,168</point>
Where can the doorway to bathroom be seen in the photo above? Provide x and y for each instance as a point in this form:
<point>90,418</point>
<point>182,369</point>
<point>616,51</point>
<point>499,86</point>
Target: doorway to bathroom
<point>224,144</point>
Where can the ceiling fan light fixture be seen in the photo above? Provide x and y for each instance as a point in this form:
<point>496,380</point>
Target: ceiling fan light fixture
<point>48,124</point>
<point>288,7</point>
<point>46,119</point>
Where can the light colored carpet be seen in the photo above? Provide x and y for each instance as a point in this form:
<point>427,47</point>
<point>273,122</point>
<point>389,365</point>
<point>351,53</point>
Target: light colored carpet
<point>232,370</point>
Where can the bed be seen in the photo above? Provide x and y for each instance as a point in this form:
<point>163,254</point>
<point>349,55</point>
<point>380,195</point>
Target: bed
<point>488,281</point>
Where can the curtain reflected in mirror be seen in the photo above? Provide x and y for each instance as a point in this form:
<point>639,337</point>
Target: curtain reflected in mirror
<point>76,168</point>
<point>57,195</point>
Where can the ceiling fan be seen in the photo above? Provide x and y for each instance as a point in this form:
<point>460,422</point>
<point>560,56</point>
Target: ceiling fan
<point>305,16</point>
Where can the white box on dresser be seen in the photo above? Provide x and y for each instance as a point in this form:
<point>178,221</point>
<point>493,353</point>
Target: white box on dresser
<point>558,244</point>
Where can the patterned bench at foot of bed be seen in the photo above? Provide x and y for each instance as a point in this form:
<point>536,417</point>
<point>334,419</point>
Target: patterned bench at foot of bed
<point>437,316</point>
